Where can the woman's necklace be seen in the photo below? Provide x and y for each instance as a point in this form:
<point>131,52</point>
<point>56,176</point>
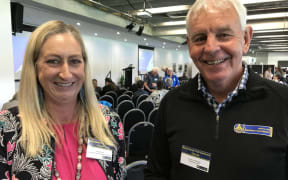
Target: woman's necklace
<point>79,165</point>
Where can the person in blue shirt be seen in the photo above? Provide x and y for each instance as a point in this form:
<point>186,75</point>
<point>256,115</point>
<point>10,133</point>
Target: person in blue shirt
<point>173,77</point>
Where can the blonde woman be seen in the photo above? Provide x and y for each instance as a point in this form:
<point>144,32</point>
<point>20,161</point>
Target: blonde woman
<point>59,131</point>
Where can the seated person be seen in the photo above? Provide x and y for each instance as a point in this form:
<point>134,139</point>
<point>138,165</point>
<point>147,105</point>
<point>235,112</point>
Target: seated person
<point>109,86</point>
<point>157,95</point>
<point>175,81</point>
<point>139,92</point>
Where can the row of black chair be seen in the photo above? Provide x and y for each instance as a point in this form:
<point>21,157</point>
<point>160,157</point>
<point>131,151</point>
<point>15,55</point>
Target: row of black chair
<point>112,98</point>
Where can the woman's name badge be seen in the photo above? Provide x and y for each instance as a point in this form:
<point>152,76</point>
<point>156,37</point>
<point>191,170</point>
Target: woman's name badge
<point>96,150</point>
<point>195,158</point>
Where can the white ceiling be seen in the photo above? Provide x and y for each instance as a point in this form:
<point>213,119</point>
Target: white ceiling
<point>107,17</point>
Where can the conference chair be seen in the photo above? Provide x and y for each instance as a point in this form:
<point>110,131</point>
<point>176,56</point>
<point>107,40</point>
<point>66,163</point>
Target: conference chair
<point>132,117</point>
<point>135,170</point>
<point>123,107</point>
<point>139,140</point>
<point>146,106</point>
<point>122,98</point>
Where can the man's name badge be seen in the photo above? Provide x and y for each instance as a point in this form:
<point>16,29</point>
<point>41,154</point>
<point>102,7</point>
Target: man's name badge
<point>96,150</point>
<point>253,129</point>
<point>195,158</point>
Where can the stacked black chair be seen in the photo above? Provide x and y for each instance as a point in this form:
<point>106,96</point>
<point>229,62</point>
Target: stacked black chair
<point>132,117</point>
<point>139,140</point>
<point>122,98</point>
<point>130,93</point>
<point>123,107</point>
<point>114,95</point>
<point>141,98</point>
<point>152,116</point>
<point>135,170</point>
<point>107,98</point>
<point>146,107</point>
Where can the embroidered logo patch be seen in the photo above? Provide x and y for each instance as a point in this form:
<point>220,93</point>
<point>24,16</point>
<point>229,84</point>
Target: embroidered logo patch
<point>253,129</point>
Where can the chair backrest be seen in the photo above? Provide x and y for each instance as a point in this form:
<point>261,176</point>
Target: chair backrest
<point>130,93</point>
<point>122,98</point>
<point>146,107</point>
<point>124,107</point>
<point>114,95</point>
<point>139,139</point>
<point>97,95</point>
<point>107,98</point>
<point>141,98</point>
<point>135,170</point>
<point>132,117</point>
<point>152,116</point>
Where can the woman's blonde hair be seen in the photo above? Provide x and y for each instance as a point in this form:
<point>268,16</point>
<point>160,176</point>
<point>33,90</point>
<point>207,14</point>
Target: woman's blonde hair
<point>37,124</point>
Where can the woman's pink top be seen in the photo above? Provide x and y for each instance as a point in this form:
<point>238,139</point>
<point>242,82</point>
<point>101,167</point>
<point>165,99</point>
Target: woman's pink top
<point>66,157</point>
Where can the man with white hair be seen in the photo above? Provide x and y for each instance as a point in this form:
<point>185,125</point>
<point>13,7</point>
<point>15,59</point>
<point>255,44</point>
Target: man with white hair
<point>173,77</point>
<point>151,78</point>
<point>227,123</point>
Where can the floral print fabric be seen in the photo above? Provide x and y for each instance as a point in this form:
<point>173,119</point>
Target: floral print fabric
<point>14,165</point>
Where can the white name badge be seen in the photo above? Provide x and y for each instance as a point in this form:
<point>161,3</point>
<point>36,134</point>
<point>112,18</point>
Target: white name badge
<point>195,158</point>
<point>96,150</point>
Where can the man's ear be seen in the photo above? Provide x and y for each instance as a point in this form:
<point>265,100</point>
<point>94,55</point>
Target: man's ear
<point>189,44</point>
<point>247,38</point>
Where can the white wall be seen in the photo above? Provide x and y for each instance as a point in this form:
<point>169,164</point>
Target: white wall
<point>274,57</point>
<point>168,56</point>
<point>7,87</point>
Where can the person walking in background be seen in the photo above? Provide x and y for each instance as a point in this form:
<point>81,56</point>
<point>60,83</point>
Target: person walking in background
<point>227,122</point>
<point>54,131</point>
<point>171,75</point>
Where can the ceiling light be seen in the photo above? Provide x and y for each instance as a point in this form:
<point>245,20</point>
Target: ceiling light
<point>130,26</point>
<point>144,14</point>
<point>164,43</point>
<point>257,1</point>
<point>168,9</point>
<point>95,34</point>
<point>147,44</point>
<point>267,16</point>
<point>280,40</point>
<point>140,30</point>
<point>163,47</point>
<point>179,46</point>
<point>118,33</point>
<point>125,40</point>
<point>171,23</point>
<point>145,39</point>
<point>78,23</point>
<point>176,49</point>
<point>271,36</point>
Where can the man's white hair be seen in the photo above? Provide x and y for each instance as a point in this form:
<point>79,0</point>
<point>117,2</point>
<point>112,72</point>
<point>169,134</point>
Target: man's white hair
<point>223,5</point>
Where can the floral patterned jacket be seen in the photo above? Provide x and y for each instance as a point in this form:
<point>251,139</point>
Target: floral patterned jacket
<point>15,166</point>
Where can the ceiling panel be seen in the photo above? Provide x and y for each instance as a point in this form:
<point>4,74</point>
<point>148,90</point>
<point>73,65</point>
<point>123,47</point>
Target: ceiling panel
<point>270,32</point>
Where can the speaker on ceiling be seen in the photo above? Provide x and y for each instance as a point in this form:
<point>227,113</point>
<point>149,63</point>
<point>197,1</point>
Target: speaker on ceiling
<point>16,17</point>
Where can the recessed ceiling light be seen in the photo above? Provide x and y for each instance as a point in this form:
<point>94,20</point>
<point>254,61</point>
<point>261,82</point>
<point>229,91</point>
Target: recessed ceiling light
<point>163,47</point>
<point>125,40</point>
<point>118,33</point>
<point>164,43</point>
<point>179,46</point>
<point>145,39</point>
<point>78,23</point>
<point>176,49</point>
<point>95,34</point>
<point>147,44</point>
